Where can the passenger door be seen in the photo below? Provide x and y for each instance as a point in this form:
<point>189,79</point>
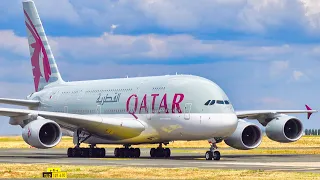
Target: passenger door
<point>187,109</point>
<point>98,109</point>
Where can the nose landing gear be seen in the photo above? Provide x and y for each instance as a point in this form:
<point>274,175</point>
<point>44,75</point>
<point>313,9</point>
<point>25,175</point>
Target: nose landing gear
<point>213,154</point>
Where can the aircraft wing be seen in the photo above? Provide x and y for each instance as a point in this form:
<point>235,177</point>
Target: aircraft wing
<point>20,102</point>
<point>256,114</point>
<point>110,126</point>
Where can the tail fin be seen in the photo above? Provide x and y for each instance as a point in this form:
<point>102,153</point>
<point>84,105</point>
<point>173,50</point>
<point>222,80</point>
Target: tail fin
<point>44,68</point>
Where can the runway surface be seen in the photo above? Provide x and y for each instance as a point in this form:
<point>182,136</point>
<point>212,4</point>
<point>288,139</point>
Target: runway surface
<point>309,163</point>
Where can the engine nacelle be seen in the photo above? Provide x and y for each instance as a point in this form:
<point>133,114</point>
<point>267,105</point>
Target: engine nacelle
<point>246,136</point>
<point>284,129</point>
<point>42,133</point>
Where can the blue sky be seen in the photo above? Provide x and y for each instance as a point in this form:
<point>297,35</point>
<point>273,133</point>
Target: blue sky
<point>265,54</point>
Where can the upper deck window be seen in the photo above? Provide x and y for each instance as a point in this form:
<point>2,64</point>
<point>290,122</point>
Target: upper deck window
<point>220,102</point>
<point>212,102</point>
<point>207,102</point>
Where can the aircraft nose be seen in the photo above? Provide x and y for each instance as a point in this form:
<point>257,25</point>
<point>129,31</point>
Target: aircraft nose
<point>230,124</point>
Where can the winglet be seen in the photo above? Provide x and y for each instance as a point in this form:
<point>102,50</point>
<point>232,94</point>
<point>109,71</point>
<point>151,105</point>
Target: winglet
<point>309,113</point>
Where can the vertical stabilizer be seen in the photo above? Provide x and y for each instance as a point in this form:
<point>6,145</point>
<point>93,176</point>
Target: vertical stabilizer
<point>44,68</point>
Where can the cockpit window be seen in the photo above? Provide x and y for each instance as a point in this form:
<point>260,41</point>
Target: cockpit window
<point>207,102</point>
<point>220,102</point>
<point>212,102</point>
<point>226,102</point>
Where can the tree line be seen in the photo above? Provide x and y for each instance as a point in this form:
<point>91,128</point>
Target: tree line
<point>312,132</point>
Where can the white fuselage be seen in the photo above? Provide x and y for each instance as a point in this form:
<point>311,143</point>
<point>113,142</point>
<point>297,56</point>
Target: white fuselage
<point>169,107</point>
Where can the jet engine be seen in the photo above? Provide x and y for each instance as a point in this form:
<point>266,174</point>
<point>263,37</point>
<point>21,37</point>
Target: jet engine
<point>42,133</point>
<point>246,136</point>
<point>284,129</point>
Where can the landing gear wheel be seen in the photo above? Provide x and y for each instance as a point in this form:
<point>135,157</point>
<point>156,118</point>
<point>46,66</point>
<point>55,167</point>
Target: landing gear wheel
<point>84,152</point>
<point>216,155</point>
<point>75,152</point>
<point>209,155</point>
<point>131,152</point>
<point>102,153</point>
<point>213,154</point>
<point>69,152</point>
<point>160,152</point>
<point>121,152</point>
<point>153,152</point>
<point>167,152</point>
<point>117,152</point>
<point>127,152</point>
<point>136,153</point>
<point>91,153</point>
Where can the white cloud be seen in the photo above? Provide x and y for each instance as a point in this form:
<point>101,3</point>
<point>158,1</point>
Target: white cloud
<point>11,42</point>
<point>278,67</point>
<point>297,75</point>
<point>202,15</point>
<point>115,47</point>
<point>312,13</point>
<point>179,15</point>
<point>151,46</point>
<point>58,9</point>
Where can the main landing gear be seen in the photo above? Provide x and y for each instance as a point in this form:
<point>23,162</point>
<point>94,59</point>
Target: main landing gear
<point>92,151</point>
<point>127,152</point>
<point>213,154</point>
<point>160,152</point>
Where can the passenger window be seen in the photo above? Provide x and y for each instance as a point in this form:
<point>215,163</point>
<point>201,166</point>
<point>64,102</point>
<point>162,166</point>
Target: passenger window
<point>212,102</point>
<point>207,102</point>
<point>220,102</point>
<point>226,102</point>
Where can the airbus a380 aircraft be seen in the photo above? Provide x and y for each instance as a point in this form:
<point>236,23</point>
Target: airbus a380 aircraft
<point>131,111</point>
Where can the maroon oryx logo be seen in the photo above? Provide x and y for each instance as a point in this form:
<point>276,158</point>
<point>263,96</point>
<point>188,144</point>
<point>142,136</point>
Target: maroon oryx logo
<point>29,132</point>
<point>39,59</point>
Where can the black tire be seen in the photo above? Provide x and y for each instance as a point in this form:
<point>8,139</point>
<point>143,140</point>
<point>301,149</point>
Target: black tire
<point>75,152</point>
<point>216,155</point>
<point>102,152</point>
<point>126,152</point>
<point>137,152</point>
<point>117,152</point>
<point>85,152</point>
<point>81,152</point>
<point>160,152</point>
<point>91,153</point>
<point>69,152</point>
<point>131,152</point>
<point>209,155</point>
<point>157,153</point>
<point>96,152</point>
<point>152,152</point>
<point>167,152</point>
<point>121,152</point>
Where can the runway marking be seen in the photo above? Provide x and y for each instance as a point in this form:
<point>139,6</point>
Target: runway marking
<point>288,164</point>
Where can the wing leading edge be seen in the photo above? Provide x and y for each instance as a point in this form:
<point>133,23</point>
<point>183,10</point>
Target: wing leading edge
<point>20,102</point>
<point>255,114</point>
<point>112,127</point>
